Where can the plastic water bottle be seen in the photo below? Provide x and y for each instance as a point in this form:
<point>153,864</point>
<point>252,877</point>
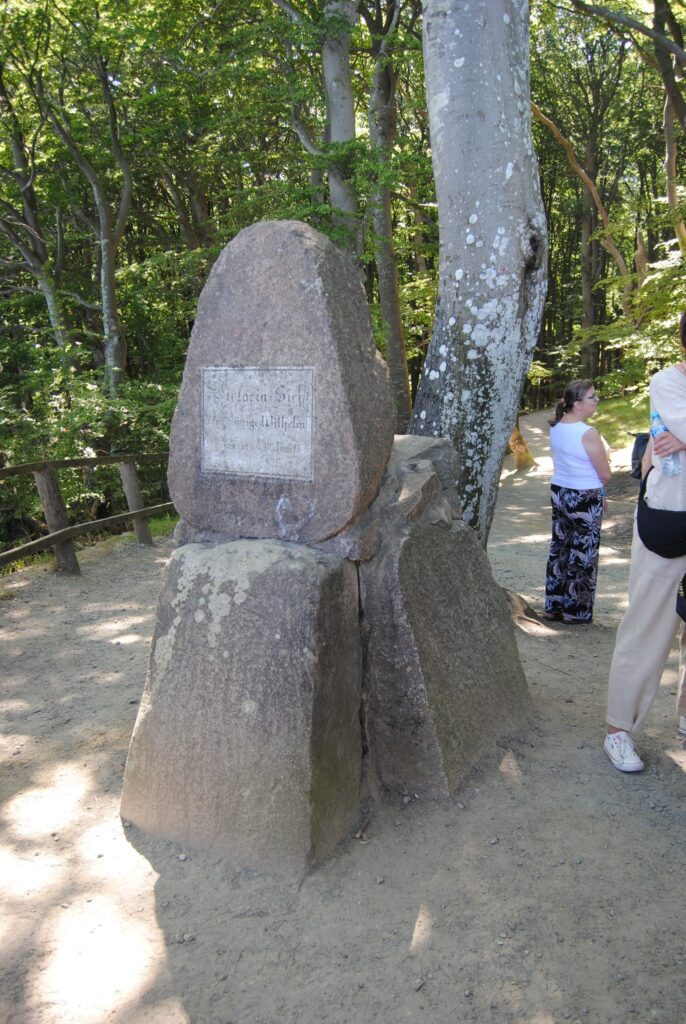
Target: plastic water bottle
<point>669,464</point>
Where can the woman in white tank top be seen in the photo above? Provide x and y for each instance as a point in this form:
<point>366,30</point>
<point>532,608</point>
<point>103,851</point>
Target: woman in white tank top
<point>580,472</point>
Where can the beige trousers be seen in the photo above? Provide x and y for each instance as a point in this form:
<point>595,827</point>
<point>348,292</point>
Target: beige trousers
<point>645,637</point>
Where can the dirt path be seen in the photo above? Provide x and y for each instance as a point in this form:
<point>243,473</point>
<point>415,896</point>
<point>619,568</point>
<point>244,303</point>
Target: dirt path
<point>549,890</point>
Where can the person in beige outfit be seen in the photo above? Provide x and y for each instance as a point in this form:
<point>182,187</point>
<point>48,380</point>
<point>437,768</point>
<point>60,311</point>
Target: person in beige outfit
<point>647,630</point>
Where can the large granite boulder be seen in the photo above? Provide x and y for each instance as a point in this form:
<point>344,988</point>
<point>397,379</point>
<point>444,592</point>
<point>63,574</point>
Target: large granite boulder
<point>442,671</point>
<point>248,737</point>
<point>285,418</point>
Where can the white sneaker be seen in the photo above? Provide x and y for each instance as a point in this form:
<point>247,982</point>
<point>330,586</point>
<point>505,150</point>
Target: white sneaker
<point>682,725</point>
<point>620,748</point>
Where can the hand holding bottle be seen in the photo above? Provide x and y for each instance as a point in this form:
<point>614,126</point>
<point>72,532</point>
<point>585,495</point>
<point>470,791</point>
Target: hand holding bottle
<point>665,446</point>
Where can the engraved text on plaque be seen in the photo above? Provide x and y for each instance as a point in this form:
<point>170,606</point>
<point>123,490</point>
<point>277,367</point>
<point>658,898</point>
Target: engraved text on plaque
<point>258,421</point>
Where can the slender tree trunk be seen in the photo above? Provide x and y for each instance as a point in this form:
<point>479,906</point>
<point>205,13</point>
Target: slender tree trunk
<point>663,22</point>
<point>340,107</point>
<point>587,307</point>
<point>382,127</point>
<point>389,301</point>
<point>109,232</point>
<point>671,175</point>
<point>38,264</point>
<point>493,239</point>
<point>190,220</point>
<point>23,229</point>
<point>340,17</point>
<point>114,338</point>
<point>53,305</point>
<point>420,264</point>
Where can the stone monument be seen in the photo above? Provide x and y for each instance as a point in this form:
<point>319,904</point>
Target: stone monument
<point>284,423</point>
<point>318,560</point>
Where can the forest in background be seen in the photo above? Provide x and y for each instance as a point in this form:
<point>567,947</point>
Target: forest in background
<point>137,139</point>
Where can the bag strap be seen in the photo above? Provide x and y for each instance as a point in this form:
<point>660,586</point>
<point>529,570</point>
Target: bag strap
<point>642,489</point>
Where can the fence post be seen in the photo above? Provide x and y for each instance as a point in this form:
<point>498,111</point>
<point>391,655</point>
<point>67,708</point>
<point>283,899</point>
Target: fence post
<point>134,500</point>
<point>56,517</point>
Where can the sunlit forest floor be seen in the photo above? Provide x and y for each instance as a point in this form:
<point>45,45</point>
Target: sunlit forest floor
<point>547,890</point>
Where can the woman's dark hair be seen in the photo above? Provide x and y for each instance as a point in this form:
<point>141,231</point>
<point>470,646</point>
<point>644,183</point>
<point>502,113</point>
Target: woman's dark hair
<point>574,392</point>
<point>682,329</point>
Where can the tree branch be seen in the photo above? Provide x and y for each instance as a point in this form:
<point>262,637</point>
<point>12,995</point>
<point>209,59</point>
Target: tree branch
<point>303,134</point>
<point>664,16</point>
<point>123,164</point>
<point>615,18</point>
<point>608,241</point>
<point>290,11</point>
<point>94,306</point>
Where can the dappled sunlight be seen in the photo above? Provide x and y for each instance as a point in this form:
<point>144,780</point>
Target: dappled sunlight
<point>610,557</point>
<point>8,928</point>
<point>99,958</point>
<point>539,432</point>
<point>129,638</point>
<point>46,808</point>
<point>523,515</point>
<point>30,873</point>
<point>528,539</point>
<point>110,627</point>
<point>130,629</point>
<point>526,516</point>
<point>510,476</point>
<point>531,627</point>
<point>12,742</point>
<point>80,937</point>
<point>16,582</point>
<point>422,929</point>
<point>87,919</point>
<point>617,596</point>
<point>100,837</point>
<point>32,628</point>
<point>542,470</point>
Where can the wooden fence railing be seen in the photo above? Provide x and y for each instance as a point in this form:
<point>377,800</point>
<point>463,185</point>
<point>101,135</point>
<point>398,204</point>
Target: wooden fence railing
<point>61,534</point>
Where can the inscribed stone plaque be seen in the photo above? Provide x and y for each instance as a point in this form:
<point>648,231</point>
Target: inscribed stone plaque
<point>253,451</point>
<point>258,421</point>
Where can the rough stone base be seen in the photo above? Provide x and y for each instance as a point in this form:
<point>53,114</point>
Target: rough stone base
<point>248,736</point>
<point>442,668</point>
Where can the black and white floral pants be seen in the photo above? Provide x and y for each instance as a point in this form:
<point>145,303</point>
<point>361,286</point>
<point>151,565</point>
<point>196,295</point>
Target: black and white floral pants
<point>573,559</point>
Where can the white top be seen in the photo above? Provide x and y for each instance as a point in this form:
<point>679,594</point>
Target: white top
<point>668,397</point>
<point>572,465</point>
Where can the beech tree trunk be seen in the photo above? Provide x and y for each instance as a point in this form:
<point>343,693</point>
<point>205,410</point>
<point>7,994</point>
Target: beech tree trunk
<point>671,174</point>
<point>493,238</point>
<point>340,17</point>
<point>110,225</point>
<point>340,109</point>
<point>22,225</point>
<point>587,280</point>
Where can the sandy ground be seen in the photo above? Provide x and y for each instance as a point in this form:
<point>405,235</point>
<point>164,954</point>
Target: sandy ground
<point>548,890</point>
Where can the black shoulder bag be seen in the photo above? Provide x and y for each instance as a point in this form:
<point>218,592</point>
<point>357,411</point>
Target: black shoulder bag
<point>662,531</point>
